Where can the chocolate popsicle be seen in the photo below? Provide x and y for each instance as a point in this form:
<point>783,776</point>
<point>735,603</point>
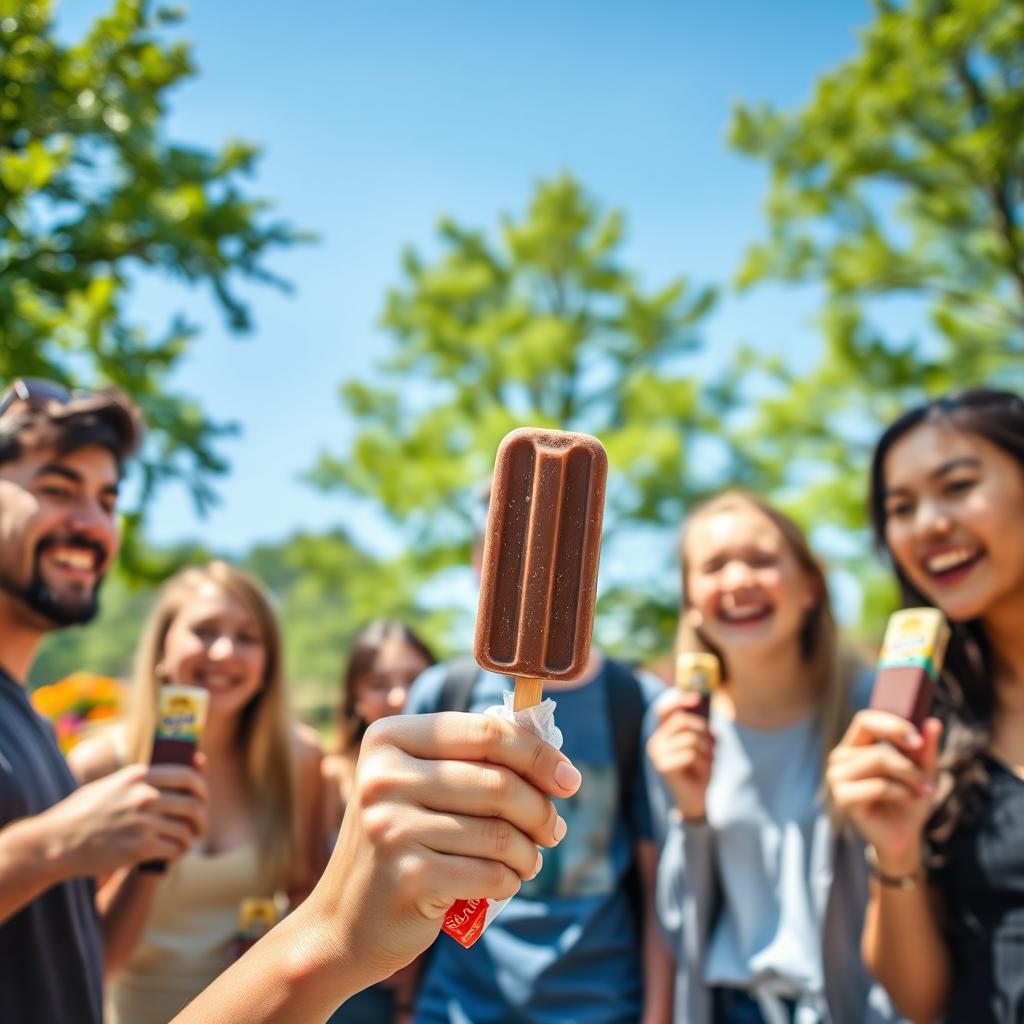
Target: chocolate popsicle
<point>910,663</point>
<point>698,672</point>
<point>541,549</point>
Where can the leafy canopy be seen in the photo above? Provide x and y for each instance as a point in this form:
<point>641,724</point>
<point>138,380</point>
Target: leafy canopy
<point>537,324</point>
<point>93,196</point>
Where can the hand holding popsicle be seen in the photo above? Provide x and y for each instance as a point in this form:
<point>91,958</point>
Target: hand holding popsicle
<point>441,805</point>
<point>883,773</point>
<point>682,749</point>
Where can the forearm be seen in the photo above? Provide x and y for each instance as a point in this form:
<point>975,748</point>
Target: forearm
<point>31,861</point>
<point>124,902</point>
<point>659,965</point>
<point>298,973</point>
<point>904,949</point>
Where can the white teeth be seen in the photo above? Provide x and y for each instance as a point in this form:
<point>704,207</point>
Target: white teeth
<point>218,682</point>
<point>742,614</point>
<point>948,560</point>
<point>75,558</point>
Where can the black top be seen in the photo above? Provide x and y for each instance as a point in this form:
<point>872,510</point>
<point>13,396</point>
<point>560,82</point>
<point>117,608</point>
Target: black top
<point>50,950</point>
<point>982,886</point>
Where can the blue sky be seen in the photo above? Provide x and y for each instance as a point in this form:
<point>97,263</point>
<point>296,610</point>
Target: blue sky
<point>376,118</point>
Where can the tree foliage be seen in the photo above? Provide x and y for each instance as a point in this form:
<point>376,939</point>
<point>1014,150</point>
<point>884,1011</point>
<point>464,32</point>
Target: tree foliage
<point>538,323</point>
<point>93,196</point>
<point>899,192</point>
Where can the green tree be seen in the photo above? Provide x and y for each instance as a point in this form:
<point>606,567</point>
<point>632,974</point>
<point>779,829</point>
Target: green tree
<point>93,196</point>
<point>902,179</point>
<point>542,325</point>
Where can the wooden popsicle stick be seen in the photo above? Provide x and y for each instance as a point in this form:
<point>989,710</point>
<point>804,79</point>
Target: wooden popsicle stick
<point>528,693</point>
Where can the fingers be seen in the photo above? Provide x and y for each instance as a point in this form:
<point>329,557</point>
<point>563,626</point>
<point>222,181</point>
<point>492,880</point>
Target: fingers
<point>179,778</point>
<point>485,838</point>
<point>473,878</point>
<point>675,701</point>
<point>184,809</point>
<point>862,792</point>
<point>873,726</point>
<point>481,790</point>
<point>466,737</point>
<point>689,753</point>
<point>168,838</point>
<point>881,761</point>
<point>178,793</point>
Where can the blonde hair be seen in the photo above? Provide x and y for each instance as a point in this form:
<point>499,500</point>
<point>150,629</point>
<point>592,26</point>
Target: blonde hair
<point>830,669</point>
<point>265,733</point>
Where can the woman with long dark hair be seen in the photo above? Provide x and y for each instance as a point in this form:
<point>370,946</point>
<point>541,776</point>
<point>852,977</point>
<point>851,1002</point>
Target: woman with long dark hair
<point>946,831</point>
<point>386,656</point>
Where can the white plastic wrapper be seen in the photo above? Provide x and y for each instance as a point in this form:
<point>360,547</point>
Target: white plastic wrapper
<point>467,920</point>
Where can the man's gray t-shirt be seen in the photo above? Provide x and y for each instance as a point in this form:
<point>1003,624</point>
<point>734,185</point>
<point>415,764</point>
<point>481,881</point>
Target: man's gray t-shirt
<point>50,950</point>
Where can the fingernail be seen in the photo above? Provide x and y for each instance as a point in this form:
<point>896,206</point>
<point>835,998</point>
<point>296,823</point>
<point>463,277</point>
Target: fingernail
<point>567,776</point>
<point>560,829</point>
<point>538,865</point>
<point>913,739</point>
<point>927,788</point>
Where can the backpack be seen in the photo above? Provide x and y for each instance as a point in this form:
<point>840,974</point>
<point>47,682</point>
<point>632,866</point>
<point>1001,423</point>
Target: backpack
<point>626,711</point>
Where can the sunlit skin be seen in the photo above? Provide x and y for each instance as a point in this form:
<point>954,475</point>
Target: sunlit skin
<point>953,526</point>
<point>750,597</point>
<point>744,583</point>
<point>58,512</point>
<point>953,504</point>
<point>214,642</point>
<point>384,689</point>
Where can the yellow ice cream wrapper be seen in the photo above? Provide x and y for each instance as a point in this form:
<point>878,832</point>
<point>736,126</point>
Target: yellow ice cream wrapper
<point>256,916</point>
<point>698,672</point>
<point>182,713</point>
<point>915,636</point>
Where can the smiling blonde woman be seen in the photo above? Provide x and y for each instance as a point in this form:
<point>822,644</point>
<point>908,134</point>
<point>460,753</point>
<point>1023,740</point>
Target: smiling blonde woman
<point>168,936</point>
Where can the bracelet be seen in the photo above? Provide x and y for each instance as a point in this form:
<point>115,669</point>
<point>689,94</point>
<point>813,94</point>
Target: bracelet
<point>892,881</point>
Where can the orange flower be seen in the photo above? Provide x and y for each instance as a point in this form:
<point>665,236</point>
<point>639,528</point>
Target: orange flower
<point>76,702</point>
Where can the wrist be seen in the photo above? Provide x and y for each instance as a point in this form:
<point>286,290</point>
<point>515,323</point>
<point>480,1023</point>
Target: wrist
<point>49,842</point>
<point>316,957</point>
<point>896,872</point>
<point>693,812</point>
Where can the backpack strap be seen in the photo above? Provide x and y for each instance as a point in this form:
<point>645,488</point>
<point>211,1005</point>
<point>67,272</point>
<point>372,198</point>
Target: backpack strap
<point>457,689</point>
<point>626,709</point>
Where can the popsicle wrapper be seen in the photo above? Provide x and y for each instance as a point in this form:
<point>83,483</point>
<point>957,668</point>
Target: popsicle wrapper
<point>466,920</point>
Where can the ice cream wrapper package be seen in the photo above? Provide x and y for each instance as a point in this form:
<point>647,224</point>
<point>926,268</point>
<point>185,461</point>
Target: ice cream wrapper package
<point>917,637</point>
<point>181,715</point>
<point>256,916</point>
<point>467,919</point>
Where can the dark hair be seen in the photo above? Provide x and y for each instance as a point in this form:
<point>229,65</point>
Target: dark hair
<point>365,648</point>
<point>966,694</point>
<point>106,419</point>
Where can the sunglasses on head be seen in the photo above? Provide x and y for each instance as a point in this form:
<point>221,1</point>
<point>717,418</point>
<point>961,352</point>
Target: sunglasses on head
<point>37,393</point>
